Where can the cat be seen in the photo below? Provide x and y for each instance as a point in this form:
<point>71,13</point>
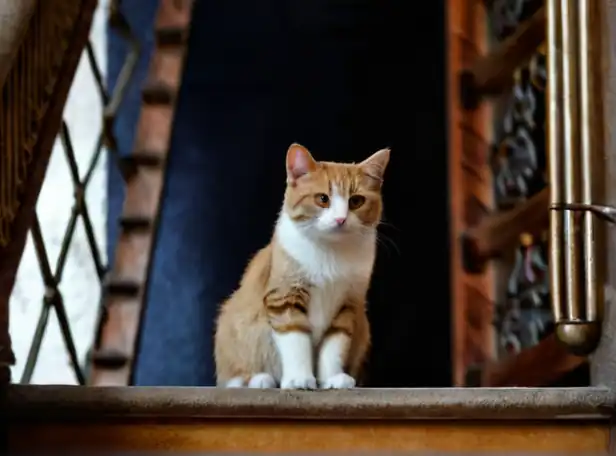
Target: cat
<point>298,319</point>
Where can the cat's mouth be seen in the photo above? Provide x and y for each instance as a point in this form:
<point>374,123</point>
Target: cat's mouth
<point>335,228</point>
<point>336,231</point>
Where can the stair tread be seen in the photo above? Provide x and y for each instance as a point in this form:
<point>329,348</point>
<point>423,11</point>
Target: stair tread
<point>424,403</point>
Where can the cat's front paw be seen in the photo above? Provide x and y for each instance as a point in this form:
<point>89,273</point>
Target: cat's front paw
<point>262,381</point>
<point>305,382</point>
<point>339,381</point>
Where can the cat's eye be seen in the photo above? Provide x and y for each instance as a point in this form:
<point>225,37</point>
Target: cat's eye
<point>356,201</point>
<point>322,199</point>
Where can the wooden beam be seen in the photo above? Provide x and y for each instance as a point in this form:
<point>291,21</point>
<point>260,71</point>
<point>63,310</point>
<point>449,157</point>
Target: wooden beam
<point>574,436</point>
<point>536,366</point>
<point>500,231</point>
<point>491,74</point>
<point>468,133</point>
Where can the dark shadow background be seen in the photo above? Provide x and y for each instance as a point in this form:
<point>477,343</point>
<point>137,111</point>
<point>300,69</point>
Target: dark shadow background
<point>342,77</point>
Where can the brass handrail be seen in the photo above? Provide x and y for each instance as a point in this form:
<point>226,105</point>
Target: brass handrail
<point>575,133</point>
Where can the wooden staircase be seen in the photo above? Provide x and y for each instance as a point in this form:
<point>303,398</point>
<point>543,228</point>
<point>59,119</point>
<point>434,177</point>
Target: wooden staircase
<point>125,288</point>
<point>209,419</point>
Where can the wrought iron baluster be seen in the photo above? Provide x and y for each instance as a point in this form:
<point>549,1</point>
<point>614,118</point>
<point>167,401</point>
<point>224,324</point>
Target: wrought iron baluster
<point>105,141</point>
<point>52,299</point>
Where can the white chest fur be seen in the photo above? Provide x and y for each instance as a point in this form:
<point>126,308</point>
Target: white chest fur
<point>325,302</point>
<point>332,268</point>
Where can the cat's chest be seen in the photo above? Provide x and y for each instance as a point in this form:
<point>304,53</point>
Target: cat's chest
<point>325,303</point>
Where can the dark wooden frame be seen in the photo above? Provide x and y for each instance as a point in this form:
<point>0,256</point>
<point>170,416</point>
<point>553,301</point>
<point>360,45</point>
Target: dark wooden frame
<point>470,190</point>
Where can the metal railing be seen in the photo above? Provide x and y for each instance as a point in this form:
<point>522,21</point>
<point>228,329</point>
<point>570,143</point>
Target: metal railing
<point>52,275</point>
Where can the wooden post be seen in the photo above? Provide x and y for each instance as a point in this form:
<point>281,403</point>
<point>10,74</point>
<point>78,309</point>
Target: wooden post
<point>470,189</point>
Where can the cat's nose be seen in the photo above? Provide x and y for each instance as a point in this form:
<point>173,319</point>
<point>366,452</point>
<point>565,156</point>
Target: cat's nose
<point>340,221</point>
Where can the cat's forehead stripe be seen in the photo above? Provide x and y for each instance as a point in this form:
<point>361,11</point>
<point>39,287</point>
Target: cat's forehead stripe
<point>344,177</point>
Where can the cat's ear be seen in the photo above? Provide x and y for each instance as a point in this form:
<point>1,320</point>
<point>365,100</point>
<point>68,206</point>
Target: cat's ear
<point>374,166</point>
<point>299,162</point>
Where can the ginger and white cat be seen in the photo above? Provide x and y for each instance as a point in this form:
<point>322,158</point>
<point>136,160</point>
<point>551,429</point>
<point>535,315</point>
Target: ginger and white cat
<point>298,319</point>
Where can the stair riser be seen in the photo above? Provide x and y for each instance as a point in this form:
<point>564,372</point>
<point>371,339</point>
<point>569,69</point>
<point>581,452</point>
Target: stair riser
<point>259,435</point>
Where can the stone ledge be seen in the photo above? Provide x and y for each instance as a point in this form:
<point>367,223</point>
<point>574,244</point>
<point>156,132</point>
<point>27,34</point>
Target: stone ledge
<point>96,403</point>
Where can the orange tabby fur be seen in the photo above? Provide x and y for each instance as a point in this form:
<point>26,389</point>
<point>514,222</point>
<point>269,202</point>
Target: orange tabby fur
<point>321,293</point>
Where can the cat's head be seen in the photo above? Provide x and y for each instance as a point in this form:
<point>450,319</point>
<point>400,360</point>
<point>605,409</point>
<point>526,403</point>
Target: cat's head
<point>330,200</point>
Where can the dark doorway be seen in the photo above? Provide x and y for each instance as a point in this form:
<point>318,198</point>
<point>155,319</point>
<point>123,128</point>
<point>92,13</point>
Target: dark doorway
<point>344,78</point>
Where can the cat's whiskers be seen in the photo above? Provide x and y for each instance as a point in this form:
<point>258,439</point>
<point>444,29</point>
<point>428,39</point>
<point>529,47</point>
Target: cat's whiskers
<point>387,242</point>
<point>389,225</point>
<point>381,239</point>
